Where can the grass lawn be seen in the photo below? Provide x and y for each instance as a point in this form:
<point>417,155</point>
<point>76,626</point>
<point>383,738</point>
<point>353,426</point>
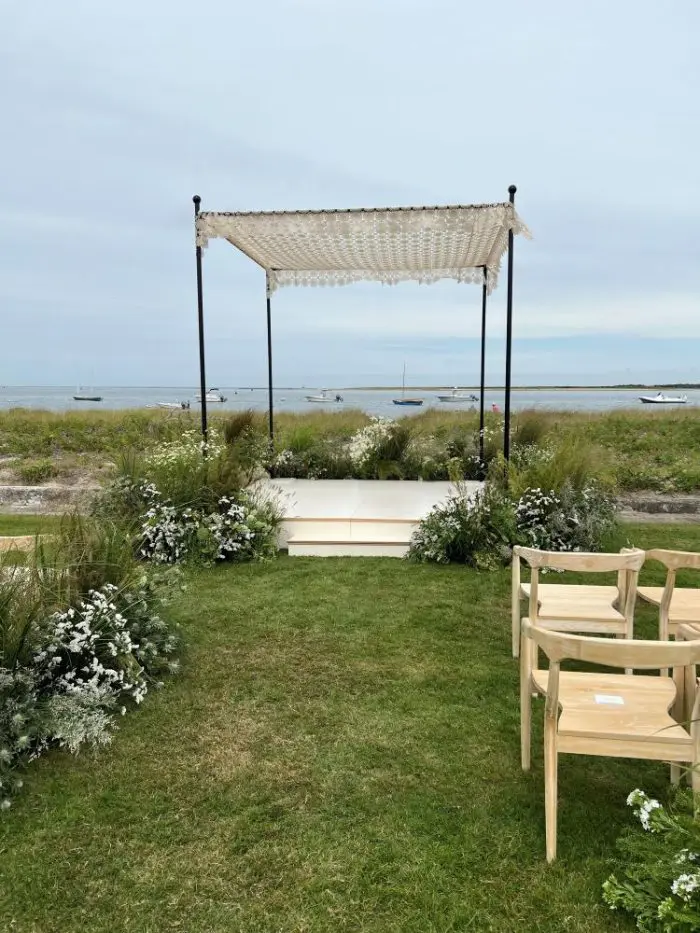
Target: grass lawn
<point>341,752</point>
<point>28,524</point>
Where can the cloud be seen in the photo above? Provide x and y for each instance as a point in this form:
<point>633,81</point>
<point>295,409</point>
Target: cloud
<point>119,113</point>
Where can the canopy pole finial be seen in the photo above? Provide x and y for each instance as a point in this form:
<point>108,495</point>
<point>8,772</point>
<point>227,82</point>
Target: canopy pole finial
<point>200,317</point>
<point>509,337</point>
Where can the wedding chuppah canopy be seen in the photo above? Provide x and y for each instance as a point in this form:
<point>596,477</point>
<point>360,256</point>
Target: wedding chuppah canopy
<point>465,243</point>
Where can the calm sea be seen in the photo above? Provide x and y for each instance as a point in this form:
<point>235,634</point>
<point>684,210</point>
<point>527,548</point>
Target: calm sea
<point>375,402</point>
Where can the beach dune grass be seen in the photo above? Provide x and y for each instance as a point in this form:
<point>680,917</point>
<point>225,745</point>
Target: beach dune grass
<point>340,753</point>
<point>646,449</point>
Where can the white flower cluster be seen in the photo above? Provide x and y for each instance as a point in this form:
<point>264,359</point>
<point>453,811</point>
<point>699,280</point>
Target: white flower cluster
<point>685,886</point>
<point>166,532</point>
<point>284,458</point>
<point>644,807</point>
<point>169,534</point>
<point>77,639</point>
<point>229,528</point>
<point>532,513</point>
<point>364,442</point>
<point>187,449</point>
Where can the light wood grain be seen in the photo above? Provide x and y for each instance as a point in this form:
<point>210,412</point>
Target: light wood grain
<point>607,714</point>
<point>589,609</point>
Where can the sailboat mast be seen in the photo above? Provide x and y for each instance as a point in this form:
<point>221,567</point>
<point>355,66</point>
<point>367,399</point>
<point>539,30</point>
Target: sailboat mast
<point>403,380</point>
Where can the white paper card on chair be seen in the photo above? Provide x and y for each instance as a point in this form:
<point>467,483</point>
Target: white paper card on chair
<point>609,699</point>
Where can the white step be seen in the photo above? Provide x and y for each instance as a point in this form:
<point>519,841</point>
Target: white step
<point>324,545</point>
<point>346,529</point>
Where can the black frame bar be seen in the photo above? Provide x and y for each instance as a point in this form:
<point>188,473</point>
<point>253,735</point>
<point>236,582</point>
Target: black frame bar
<point>509,337</point>
<point>482,386</point>
<point>200,316</point>
<point>270,416</point>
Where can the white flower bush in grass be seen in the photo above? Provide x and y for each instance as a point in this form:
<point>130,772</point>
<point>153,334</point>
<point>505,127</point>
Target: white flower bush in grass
<point>240,529</point>
<point>187,450</point>
<point>364,443</point>
<point>481,530</point>
<point>657,879</point>
<point>86,665</point>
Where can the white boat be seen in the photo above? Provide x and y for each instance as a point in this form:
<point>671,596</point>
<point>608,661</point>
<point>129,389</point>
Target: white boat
<point>213,395</point>
<point>323,396</point>
<point>457,396</point>
<point>662,399</point>
<point>174,405</point>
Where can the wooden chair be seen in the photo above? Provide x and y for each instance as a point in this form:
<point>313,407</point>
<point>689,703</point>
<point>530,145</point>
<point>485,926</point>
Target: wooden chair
<point>606,714</point>
<point>594,610</point>
<point>677,605</point>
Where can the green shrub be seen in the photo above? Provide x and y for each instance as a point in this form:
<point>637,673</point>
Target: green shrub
<point>477,531</point>
<point>572,464</point>
<point>33,472</point>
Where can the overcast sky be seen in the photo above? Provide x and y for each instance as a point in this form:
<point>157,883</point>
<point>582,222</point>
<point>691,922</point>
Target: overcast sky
<point>115,114</point>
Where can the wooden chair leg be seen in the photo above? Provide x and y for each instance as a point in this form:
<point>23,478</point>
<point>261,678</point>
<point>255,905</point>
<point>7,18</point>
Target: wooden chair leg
<point>550,785</point>
<point>678,710</point>
<point>675,773</point>
<point>515,605</point>
<point>525,707</point>
<point>695,784</point>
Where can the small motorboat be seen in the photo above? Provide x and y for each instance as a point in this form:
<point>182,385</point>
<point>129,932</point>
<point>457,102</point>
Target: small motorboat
<point>176,406</point>
<point>324,396</point>
<point>457,396</point>
<point>213,395</point>
<point>661,399</point>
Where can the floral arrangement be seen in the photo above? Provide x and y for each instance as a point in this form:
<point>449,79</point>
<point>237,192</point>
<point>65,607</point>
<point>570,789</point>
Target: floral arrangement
<point>475,530</point>
<point>658,879</point>
<point>481,530</point>
<point>240,529</point>
<point>84,666</point>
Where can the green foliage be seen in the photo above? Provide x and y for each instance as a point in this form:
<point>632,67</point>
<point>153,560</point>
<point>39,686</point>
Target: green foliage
<point>33,472</point>
<point>481,530</point>
<point>571,464</point>
<point>655,450</point>
<point>477,531</point>
<point>657,873</point>
<point>82,555</point>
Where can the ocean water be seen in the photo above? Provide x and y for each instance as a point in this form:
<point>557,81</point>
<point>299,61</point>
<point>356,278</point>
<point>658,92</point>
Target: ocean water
<point>373,401</point>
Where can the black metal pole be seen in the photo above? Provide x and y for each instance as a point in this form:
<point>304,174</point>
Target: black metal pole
<point>269,360</point>
<point>200,313</point>
<point>483,366</point>
<point>509,337</point>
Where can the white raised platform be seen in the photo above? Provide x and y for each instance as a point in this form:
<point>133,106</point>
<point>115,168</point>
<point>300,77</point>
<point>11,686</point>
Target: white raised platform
<point>354,517</point>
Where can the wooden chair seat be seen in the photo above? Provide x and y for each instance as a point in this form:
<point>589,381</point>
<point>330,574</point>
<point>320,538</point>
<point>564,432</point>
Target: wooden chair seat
<point>685,602</point>
<point>590,709</point>
<point>576,603</point>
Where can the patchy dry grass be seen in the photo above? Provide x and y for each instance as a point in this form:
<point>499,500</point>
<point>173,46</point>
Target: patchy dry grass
<point>340,754</point>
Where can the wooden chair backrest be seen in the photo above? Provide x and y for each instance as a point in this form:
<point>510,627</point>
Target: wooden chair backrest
<point>627,563</point>
<point>612,652</point>
<point>673,561</point>
<point>584,562</point>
